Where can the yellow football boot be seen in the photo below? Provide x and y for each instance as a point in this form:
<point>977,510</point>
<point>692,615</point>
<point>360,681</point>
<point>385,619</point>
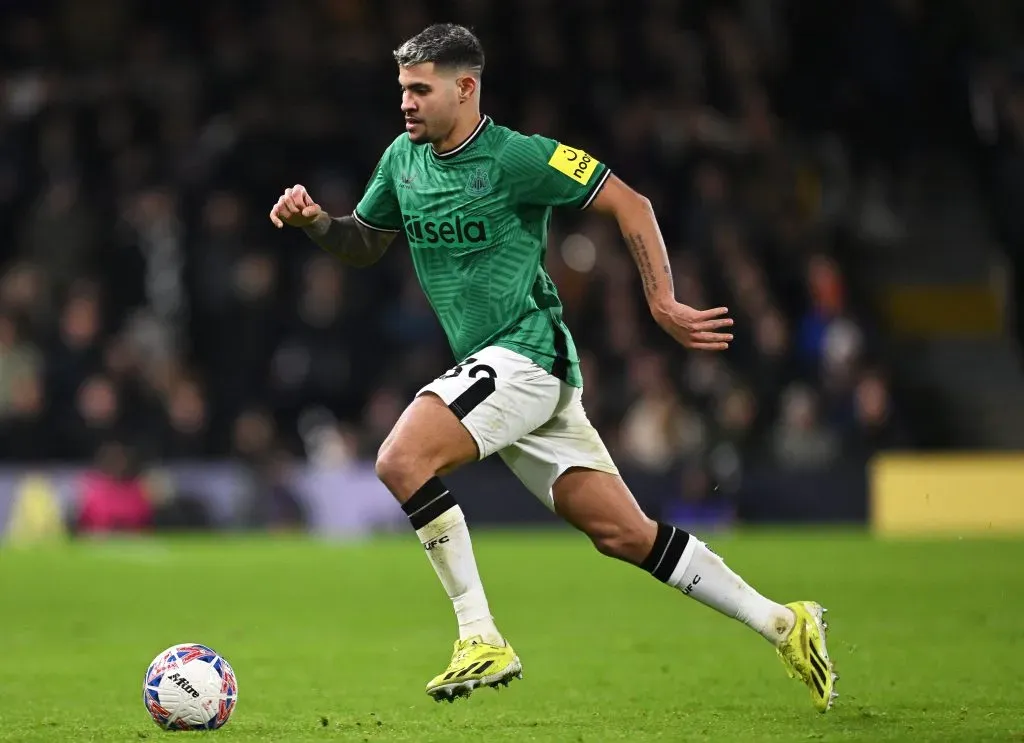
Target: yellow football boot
<point>805,654</point>
<point>475,663</point>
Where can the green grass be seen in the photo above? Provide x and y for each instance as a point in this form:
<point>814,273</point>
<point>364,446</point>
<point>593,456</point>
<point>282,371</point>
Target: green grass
<point>334,642</point>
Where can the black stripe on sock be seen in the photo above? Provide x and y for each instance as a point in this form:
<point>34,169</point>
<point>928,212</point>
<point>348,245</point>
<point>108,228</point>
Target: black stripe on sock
<point>432,510</point>
<point>673,553</point>
<point>669,544</point>
<point>428,492</point>
<point>660,540</point>
<point>427,503</point>
<point>475,394</point>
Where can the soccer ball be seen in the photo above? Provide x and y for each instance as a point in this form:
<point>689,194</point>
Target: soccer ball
<point>190,687</point>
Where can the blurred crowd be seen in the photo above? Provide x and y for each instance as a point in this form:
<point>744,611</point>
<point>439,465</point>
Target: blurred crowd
<point>145,297</point>
<point>996,109</point>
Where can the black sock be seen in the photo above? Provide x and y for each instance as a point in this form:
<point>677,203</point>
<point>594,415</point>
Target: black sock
<point>427,503</point>
<point>666,552</point>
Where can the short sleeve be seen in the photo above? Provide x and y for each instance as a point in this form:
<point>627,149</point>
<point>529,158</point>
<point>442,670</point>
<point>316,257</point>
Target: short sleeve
<point>378,209</point>
<point>550,173</point>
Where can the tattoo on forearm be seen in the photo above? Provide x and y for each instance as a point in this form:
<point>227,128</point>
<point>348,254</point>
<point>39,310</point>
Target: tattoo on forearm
<point>349,241</point>
<point>643,262</point>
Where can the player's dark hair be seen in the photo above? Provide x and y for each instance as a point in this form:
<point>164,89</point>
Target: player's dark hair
<point>446,45</point>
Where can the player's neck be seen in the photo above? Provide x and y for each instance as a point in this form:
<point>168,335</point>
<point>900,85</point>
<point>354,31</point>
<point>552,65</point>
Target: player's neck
<point>462,131</point>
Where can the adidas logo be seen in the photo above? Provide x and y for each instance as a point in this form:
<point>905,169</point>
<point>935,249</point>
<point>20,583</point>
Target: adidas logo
<point>479,666</point>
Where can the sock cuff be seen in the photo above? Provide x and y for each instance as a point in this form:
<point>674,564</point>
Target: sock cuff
<point>669,545</point>
<point>429,502</point>
<point>441,525</point>
<point>679,571</point>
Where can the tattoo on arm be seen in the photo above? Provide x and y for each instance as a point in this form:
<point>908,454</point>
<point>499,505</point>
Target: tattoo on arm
<point>348,240</point>
<point>643,262</point>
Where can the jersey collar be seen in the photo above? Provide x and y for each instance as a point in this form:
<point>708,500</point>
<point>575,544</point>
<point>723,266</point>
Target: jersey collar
<point>449,154</point>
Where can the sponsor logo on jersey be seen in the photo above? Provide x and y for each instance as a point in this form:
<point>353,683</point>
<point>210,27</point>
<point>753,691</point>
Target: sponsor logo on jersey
<point>574,163</point>
<point>455,231</point>
<point>479,182</point>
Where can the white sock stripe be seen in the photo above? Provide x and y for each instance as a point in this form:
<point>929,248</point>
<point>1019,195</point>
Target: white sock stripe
<point>684,561</point>
<point>665,551</point>
<point>427,505</point>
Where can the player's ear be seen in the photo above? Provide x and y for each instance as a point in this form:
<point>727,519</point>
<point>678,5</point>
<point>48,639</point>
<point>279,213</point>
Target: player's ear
<point>467,86</point>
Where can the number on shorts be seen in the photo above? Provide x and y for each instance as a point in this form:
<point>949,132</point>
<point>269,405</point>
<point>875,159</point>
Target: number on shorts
<point>475,371</point>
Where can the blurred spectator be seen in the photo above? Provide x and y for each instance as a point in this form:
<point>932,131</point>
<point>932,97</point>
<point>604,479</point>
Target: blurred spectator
<point>59,231</point>
<point>802,441</point>
<point>95,416</point>
<point>187,427</point>
<point>326,442</point>
<point>22,402</point>
<point>269,502</point>
<point>735,419</point>
<point>658,430</point>
<point>20,367</point>
<point>818,327</point>
<point>876,423</point>
<point>112,497</point>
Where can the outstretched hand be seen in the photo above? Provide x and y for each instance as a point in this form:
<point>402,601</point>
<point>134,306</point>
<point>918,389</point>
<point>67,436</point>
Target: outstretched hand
<point>696,329</point>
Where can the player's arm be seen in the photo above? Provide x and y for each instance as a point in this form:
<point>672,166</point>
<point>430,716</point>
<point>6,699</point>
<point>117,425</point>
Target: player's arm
<point>550,173</point>
<point>347,238</point>
<point>697,329</point>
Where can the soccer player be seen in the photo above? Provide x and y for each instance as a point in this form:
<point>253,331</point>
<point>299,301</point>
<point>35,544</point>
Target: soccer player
<point>474,200</point>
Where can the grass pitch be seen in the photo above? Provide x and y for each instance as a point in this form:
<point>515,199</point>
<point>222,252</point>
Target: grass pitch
<point>334,642</point>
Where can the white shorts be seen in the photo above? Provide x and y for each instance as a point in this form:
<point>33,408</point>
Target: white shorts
<point>534,421</point>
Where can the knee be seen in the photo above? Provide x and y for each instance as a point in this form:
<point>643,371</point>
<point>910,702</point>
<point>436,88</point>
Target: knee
<point>397,465</point>
<point>629,542</point>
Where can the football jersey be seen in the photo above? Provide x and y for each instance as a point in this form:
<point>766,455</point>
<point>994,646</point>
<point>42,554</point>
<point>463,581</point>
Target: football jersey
<point>476,220</point>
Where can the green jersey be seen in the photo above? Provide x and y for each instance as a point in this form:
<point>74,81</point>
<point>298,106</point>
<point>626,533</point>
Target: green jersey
<point>476,219</point>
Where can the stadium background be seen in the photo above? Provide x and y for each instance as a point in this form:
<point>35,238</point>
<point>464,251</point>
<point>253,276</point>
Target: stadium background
<point>844,176</point>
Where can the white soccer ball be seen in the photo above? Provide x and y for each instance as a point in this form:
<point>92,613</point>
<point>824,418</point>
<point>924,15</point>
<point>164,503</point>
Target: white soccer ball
<point>190,687</point>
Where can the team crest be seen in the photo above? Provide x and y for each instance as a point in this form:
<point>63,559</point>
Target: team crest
<point>479,182</point>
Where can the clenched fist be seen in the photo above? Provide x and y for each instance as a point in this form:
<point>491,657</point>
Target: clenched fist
<point>295,208</point>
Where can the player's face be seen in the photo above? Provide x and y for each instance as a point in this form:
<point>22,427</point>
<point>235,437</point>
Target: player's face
<point>429,102</point>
